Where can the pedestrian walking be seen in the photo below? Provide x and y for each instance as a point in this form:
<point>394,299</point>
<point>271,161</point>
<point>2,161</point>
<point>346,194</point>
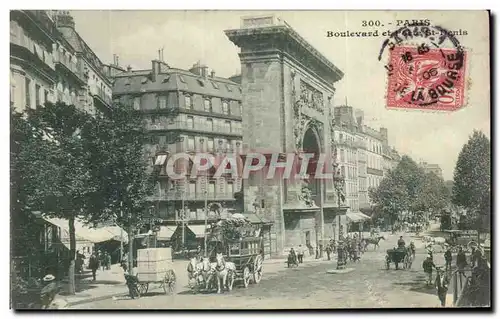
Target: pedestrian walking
<point>107,258</point>
<point>475,256</point>
<point>461,261</point>
<point>125,262</point>
<point>102,260</point>
<point>93,265</point>
<point>317,252</point>
<point>329,251</point>
<point>447,258</point>
<point>441,286</point>
<point>428,265</point>
<point>300,254</point>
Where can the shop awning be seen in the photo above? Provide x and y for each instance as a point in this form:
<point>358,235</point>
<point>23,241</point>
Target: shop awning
<point>93,235</point>
<point>356,217</point>
<point>198,230</point>
<point>165,233</point>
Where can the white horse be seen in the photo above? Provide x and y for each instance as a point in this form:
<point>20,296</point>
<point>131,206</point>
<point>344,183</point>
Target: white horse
<point>207,271</point>
<point>225,272</point>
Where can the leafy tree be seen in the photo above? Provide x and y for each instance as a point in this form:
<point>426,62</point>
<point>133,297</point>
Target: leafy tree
<point>433,194</point>
<point>391,196</point>
<point>412,177</point>
<point>472,178</point>
<point>64,185</point>
<point>121,165</point>
<point>29,164</point>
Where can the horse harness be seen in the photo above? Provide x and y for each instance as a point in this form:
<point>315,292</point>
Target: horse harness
<point>222,263</point>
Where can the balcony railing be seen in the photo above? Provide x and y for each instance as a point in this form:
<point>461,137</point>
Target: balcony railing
<point>101,95</point>
<point>183,125</point>
<point>174,195</point>
<point>71,66</point>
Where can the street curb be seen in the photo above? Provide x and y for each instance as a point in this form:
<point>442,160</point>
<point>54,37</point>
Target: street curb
<point>109,296</point>
<point>95,299</point>
<point>104,297</point>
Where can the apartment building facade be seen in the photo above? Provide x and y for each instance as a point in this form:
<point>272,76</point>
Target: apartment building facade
<point>186,111</point>
<point>364,156</point>
<point>47,66</point>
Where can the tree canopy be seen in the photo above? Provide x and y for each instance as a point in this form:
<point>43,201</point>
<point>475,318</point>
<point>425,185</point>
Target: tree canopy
<point>408,188</point>
<point>69,164</point>
<point>472,177</point>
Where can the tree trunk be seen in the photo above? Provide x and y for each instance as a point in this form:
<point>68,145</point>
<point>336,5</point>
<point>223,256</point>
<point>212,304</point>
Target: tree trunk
<point>130,249</point>
<point>72,253</point>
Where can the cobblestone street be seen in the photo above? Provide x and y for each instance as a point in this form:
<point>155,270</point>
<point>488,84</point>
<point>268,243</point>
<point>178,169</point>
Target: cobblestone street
<point>309,286</point>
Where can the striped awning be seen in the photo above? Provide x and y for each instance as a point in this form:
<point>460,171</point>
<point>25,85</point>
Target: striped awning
<point>356,217</point>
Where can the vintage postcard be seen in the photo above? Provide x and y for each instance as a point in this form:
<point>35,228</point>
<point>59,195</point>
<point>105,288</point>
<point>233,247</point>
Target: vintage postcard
<point>250,160</point>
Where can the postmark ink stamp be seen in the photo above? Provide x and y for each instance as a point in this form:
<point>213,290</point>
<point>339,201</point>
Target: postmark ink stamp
<point>425,70</point>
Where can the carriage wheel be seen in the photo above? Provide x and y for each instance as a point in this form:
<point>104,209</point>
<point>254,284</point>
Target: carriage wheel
<point>246,276</point>
<point>143,288</point>
<point>169,282</point>
<point>257,269</point>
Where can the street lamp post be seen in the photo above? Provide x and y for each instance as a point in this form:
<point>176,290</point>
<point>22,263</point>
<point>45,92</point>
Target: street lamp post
<point>341,260</point>
<point>183,215</point>
<point>206,221</point>
<point>121,233</point>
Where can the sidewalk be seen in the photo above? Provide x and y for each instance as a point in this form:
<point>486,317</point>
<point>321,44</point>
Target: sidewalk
<point>111,283</point>
<point>108,283</point>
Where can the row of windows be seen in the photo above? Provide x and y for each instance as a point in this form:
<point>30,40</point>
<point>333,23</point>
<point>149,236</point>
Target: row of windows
<point>351,189</point>
<point>162,103</point>
<point>209,145</point>
<point>349,172</point>
<point>375,161</point>
<point>348,155</point>
<point>374,182</point>
<point>374,147</point>
<point>207,124</point>
<point>199,187</point>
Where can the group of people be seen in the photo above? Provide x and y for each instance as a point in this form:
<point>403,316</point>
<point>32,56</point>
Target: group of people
<point>100,260</point>
<point>476,261</point>
<point>296,256</point>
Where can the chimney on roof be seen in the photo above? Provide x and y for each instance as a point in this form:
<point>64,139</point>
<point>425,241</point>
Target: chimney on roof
<point>212,74</point>
<point>385,135</point>
<point>155,69</point>
<point>129,68</point>
<point>199,69</point>
<point>64,19</point>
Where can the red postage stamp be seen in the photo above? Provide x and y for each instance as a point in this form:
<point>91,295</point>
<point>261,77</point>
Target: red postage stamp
<point>424,78</point>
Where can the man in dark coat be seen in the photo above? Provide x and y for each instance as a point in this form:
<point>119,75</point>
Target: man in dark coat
<point>428,265</point>
<point>447,258</point>
<point>461,260</point>
<point>401,242</point>
<point>93,265</point>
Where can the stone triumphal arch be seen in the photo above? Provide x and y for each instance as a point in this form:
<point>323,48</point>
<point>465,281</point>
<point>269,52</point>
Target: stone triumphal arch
<point>287,96</point>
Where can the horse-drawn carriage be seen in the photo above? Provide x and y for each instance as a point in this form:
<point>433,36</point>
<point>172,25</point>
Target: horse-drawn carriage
<point>398,256</point>
<point>234,255</point>
<point>154,266</point>
<point>464,238</point>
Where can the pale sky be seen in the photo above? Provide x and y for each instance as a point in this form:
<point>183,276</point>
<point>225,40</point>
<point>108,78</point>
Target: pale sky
<point>188,37</point>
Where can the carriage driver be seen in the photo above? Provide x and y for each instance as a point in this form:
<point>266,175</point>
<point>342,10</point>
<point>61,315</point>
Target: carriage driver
<point>401,242</point>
